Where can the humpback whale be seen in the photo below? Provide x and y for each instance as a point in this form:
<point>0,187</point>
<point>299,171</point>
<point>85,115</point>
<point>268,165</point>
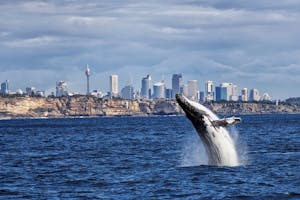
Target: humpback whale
<point>219,146</point>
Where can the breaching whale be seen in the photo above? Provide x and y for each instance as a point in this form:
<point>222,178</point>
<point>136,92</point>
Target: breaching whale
<point>219,146</point>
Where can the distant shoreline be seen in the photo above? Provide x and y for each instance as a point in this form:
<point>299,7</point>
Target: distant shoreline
<point>87,107</point>
<point>124,116</point>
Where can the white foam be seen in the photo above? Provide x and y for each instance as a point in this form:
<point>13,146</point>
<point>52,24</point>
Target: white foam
<point>240,145</point>
<point>193,152</point>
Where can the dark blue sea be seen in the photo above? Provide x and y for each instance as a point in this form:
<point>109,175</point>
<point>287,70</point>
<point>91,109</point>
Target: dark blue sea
<point>145,158</point>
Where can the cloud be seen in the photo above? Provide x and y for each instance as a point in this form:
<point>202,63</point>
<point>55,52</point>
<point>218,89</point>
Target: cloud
<point>245,42</point>
<point>32,42</point>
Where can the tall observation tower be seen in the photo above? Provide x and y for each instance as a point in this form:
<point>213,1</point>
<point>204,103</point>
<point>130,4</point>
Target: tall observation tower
<point>87,73</point>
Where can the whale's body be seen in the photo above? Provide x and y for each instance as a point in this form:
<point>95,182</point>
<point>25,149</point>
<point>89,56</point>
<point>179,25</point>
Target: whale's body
<point>219,146</point>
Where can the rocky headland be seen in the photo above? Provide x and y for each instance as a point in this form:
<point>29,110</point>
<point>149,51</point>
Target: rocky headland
<point>37,107</point>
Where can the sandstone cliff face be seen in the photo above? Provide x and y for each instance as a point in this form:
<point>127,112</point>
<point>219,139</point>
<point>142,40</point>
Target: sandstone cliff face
<point>89,106</point>
<point>24,107</point>
<point>82,106</point>
<point>160,107</point>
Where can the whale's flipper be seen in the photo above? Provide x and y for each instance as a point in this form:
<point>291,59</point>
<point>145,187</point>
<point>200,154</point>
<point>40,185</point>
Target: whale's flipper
<point>226,121</point>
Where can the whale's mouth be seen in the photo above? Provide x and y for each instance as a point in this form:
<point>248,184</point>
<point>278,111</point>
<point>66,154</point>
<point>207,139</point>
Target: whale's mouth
<point>192,112</point>
<point>183,102</point>
<point>187,107</point>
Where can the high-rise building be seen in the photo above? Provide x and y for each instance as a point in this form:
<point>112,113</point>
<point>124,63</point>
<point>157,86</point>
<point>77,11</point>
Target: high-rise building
<point>209,87</point>
<point>228,90</point>
<point>127,92</point>
<point>5,87</point>
<point>235,94</point>
<point>87,73</point>
<point>245,95</point>
<point>113,84</point>
<point>159,90</point>
<point>202,96</point>
<point>176,84</point>
<point>169,93</point>
<point>254,95</point>
<point>146,87</point>
<point>192,89</point>
<point>232,91</point>
<point>61,89</point>
<point>209,91</point>
<point>185,90</point>
<point>221,93</point>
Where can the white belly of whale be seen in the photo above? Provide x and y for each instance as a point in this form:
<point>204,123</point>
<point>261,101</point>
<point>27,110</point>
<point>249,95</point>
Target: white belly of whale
<point>221,145</point>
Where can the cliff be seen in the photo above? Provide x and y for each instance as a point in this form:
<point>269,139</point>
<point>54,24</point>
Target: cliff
<point>19,107</point>
<point>252,108</point>
<point>24,107</point>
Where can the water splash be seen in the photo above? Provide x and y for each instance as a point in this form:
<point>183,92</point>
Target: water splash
<point>193,152</point>
<point>240,145</point>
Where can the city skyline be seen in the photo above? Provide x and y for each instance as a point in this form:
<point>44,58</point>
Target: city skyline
<point>213,91</point>
<point>252,44</point>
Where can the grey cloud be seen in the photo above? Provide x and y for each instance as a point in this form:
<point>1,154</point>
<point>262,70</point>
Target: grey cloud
<point>237,41</point>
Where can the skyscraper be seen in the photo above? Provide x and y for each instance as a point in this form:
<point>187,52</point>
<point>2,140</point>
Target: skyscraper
<point>209,87</point>
<point>228,88</point>
<point>87,73</point>
<point>127,92</point>
<point>113,84</point>
<point>209,91</point>
<point>168,93</point>
<point>221,93</point>
<point>235,93</point>
<point>232,91</point>
<point>185,90</point>
<point>245,95</point>
<point>202,96</point>
<point>176,84</point>
<point>192,89</point>
<point>5,87</point>
<point>61,89</point>
<point>159,90</point>
<point>146,87</point>
<point>254,95</point>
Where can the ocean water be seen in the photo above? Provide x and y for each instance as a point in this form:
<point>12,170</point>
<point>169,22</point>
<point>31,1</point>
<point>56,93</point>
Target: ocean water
<point>146,158</point>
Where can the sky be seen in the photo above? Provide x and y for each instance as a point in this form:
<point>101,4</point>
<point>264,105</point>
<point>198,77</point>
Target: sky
<point>253,44</point>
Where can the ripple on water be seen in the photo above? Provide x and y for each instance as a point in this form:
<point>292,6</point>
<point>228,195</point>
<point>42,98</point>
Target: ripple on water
<point>144,158</point>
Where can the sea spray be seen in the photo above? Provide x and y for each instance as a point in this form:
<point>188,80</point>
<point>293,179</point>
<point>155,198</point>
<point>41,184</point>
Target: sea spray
<point>193,152</point>
<point>240,145</point>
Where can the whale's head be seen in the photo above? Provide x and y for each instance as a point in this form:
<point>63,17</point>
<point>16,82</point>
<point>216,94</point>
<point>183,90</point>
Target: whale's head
<point>191,111</point>
<point>194,110</point>
<point>198,114</point>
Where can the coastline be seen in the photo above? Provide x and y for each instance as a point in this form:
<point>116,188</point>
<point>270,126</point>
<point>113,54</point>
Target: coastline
<point>88,107</point>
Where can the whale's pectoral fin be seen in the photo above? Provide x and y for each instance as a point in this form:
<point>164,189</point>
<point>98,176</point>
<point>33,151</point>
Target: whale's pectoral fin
<point>226,121</point>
